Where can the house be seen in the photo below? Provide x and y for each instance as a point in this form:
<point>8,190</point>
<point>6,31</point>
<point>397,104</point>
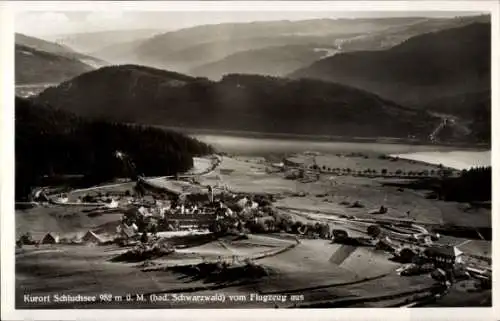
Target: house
<point>63,199</point>
<point>112,204</point>
<point>50,238</point>
<point>278,165</point>
<point>92,238</point>
<point>444,255</point>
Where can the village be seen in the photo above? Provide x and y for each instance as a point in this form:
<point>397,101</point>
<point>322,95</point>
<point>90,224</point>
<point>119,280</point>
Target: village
<point>239,220</point>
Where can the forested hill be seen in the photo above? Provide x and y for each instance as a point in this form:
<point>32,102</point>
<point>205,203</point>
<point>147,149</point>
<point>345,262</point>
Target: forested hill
<point>131,93</point>
<point>55,142</point>
<point>422,69</point>
<point>34,66</point>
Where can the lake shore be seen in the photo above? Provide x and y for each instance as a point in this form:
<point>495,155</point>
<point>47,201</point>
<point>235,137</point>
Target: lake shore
<point>203,132</point>
<point>453,159</point>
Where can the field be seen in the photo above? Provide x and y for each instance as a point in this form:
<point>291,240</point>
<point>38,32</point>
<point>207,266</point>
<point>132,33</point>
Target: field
<point>324,273</point>
<point>249,175</point>
<point>63,221</point>
<point>305,269</point>
<point>363,161</point>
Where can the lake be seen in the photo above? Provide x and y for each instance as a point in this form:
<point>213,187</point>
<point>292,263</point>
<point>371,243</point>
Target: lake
<point>449,156</point>
<point>454,159</point>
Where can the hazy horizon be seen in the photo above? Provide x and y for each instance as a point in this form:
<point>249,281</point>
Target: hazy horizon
<point>51,24</point>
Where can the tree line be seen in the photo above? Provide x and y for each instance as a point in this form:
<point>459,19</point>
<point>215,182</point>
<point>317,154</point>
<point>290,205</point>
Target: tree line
<point>50,142</point>
<point>472,185</point>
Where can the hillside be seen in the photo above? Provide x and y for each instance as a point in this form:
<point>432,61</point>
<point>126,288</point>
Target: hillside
<point>56,49</point>
<point>33,66</point>
<point>52,142</point>
<point>184,49</point>
<point>469,110</point>
<point>118,53</point>
<point>238,102</point>
<point>209,49</point>
<point>422,69</point>
<point>272,61</point>
<point>463,105</point>
<point>88,42</point>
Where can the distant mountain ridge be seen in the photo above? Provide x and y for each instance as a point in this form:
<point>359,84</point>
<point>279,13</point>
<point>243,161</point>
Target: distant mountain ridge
<point>187,48</point>
<point>421,69</point>
<point>89,42</point>
<point>36,67</point>
<point>38,61</point>
<point>273,61</point>
<point>57,49</point>
<point>213,49</point>
<point>140,94</point>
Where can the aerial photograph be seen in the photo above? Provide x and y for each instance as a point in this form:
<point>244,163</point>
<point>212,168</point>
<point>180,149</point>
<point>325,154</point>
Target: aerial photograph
<point>228,160</point>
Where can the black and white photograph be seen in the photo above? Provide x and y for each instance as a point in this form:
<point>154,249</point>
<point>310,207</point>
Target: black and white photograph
<point>251,159</point>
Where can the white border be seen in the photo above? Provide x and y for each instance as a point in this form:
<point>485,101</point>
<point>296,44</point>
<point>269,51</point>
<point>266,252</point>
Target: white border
<point>7,10</point>
<point>256,6</point>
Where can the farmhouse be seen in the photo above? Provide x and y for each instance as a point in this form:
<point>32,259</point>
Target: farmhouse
<point>92,238</point>
<point>50,238</point>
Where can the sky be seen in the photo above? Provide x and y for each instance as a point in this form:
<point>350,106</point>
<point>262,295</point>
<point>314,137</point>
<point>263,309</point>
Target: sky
<point>50,23</point>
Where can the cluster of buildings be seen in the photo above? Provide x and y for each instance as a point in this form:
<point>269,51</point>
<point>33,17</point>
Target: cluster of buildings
<point>444,262</point>
<point>88,238</point>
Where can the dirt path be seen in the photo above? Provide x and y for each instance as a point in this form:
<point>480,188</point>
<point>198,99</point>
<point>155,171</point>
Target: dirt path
<point>325,286</point>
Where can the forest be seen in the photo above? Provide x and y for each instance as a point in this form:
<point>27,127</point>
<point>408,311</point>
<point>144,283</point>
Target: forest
<point>51,142</point>
<point>472,185</point>
<point>137,94</point>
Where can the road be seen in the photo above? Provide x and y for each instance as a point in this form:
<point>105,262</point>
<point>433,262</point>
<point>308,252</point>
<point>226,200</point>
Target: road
<point>448,121</point>
<point>205,172</point>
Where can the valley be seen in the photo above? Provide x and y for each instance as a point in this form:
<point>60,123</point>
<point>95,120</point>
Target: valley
<point>325,162</point>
